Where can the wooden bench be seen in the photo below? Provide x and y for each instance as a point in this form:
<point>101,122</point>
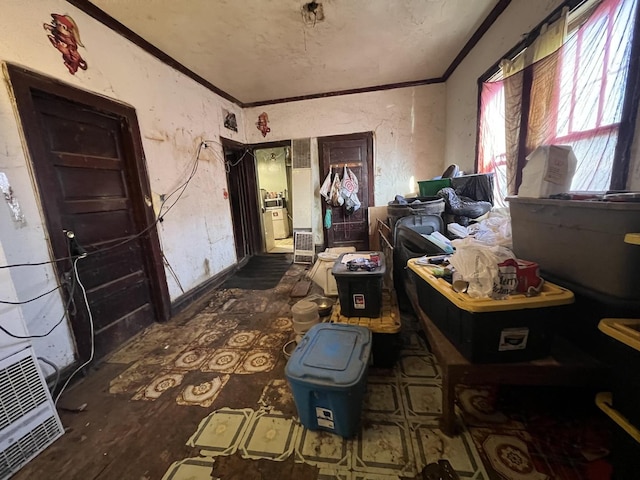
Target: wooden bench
<point>566,366</point>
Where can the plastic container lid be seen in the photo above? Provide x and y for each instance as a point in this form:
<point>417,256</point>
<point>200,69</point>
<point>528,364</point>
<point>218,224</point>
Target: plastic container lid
<point>328,256</point>
<point>331,355</point>
<point>340,269</point>
<point>551,295</point>
<point>304,311</point>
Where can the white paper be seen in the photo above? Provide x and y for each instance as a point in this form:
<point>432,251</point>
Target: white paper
<point>11,200</point>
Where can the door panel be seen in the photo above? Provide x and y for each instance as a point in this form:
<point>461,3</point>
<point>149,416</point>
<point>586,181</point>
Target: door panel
<point>92,181</point>
<point>355,151</point>
<point>243,197</point>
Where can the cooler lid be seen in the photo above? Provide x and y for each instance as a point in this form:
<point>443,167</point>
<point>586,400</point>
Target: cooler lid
<point>331,355</point>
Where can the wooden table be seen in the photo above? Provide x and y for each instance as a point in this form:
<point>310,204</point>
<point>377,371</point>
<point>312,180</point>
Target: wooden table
<point>566,365</point>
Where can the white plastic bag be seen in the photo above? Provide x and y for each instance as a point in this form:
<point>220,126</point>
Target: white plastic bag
<point>477,264</point>
<point>325,189</point>
<point>336,196</point>
<point>350,191</point>
<point>495,229</point>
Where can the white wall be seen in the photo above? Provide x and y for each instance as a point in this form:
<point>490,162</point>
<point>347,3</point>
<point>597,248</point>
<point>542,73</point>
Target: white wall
<point>175,114</point>
<point>272,173</point>
<point>408,126</point>
<point>519,18</point>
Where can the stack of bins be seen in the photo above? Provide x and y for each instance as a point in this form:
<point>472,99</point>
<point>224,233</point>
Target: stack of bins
<point>516,329</point>
<point>327,373</point>
<point>385,330</point>
<point>621,405</point>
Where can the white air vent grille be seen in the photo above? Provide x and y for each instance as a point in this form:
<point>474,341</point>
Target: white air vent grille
<point>303,250</point>
<point>28,419</point>
<point>20,391</point>
<point>301,153</point>
<point>28,446</point>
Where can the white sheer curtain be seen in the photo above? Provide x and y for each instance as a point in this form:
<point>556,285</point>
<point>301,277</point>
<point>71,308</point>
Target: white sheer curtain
<point>567,93</point>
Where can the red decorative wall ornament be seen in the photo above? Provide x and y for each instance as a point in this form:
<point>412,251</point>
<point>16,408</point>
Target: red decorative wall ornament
<point>263,124</point>
<point>65,36</point>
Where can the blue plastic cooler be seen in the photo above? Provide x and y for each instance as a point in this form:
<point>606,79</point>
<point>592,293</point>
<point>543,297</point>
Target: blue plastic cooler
<point>328,373</point>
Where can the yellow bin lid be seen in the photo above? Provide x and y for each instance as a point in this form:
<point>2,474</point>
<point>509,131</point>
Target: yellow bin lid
<point>551,295</point>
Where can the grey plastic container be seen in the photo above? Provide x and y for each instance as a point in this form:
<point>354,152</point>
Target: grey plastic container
<point>580,241</point>
<point>414,206</point>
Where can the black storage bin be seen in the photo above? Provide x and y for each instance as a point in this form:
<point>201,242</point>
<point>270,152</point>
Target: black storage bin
<point>581,325</point>
<point>409,243</point>
<point>385,329</point>
<point>516,329</point>
<point>477,187</point>
<point>360,291</point>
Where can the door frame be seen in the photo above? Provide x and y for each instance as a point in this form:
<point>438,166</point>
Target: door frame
<point>249,217</point>
<point>23,83</point>
<point>368,136</point>
<point>256,242</point>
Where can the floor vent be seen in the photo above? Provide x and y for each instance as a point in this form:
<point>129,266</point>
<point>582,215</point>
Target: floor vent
<point>303,249</point>
<point>28,419</point>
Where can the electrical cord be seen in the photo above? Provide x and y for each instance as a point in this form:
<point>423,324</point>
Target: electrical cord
<point>64,313</point>
<point>6,302</point>
<point>161,216</point>
<point>55,368</point>
<point>172,271</point>
<point>92,352</point>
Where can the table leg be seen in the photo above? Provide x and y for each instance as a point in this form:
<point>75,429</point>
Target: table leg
<point>450,378</point>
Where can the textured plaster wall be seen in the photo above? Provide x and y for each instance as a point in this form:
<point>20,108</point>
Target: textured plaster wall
<point>174,113</point>
<point>520,17</point>
<point>272,172</point>
<point>407,123</point>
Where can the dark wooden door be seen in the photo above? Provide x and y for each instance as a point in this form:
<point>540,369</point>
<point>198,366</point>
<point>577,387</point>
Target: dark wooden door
<point>356,152</point>
<point>243,198</point>
<point>92,181</point>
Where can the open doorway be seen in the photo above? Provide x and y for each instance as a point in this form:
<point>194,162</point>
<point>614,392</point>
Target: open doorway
<point>273,165</point>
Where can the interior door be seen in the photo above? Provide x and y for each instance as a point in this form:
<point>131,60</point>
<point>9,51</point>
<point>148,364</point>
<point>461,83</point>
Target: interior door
<point>243,196</point>
<point>356,152</point>
<point>88,164</point>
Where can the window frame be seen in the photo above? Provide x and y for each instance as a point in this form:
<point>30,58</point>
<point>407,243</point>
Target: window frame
<point>627,124</point>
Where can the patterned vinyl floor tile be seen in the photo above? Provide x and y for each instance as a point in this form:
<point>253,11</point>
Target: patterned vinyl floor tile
<point>271,436</point>
<point>323,450</point>
<point>242,339</point>
<point>158,386</point>
<point>203,394</point>
<point>384,447</point>
<point>257,361</point>
<point>382,399</point>
<point>422,400</point>
<point>431,445</point>
<point>190,469</point>
<point>225,360</point>
<point>221,432</point>
<point>416,368</point>
<point>510,457</point>
<point>191,359</point>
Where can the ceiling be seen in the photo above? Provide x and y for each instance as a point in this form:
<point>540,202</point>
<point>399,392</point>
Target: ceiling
<point>264,50</point>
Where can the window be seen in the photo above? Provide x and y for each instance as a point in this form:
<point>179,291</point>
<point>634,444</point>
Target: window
<point>572,96</point>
